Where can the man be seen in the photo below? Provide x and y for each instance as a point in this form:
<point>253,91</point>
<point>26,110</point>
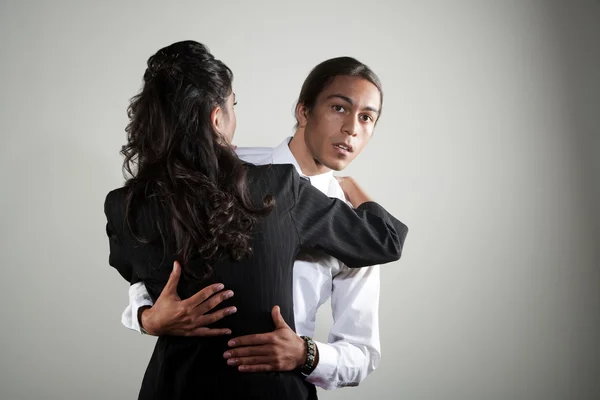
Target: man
<point>338,107</point>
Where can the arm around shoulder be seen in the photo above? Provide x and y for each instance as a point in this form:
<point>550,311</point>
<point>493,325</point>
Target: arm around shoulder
<point>358,237</point>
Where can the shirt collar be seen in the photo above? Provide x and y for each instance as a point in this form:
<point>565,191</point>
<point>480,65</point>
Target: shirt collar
<point>283,155</point>
<point>324,182</point>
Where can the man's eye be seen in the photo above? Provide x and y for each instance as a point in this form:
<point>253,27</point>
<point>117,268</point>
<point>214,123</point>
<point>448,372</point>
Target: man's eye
<point>366,118</point>
<point>338,108</point>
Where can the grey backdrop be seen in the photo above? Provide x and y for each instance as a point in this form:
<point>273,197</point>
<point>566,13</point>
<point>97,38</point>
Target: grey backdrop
<point>488,148</point>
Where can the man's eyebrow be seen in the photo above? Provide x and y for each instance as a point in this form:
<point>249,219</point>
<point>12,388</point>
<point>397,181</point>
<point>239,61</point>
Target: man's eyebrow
<point>349,101</point>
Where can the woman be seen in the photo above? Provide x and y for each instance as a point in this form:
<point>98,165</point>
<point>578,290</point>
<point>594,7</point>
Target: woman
<point>191,199</point>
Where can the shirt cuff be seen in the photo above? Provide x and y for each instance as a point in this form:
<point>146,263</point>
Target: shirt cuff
<point>325,371</point>
<point>138,297</point>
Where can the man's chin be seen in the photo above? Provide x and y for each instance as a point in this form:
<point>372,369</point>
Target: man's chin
<point>336,165</point>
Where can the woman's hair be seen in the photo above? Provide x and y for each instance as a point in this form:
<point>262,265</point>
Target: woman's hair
<point>174,156</point>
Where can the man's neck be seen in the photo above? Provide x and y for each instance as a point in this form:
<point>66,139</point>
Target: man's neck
<point>304,157</point>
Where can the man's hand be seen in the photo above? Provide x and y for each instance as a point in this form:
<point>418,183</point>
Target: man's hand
<point>280,350</point>
<point>172,316</point>
<point>353,192</point>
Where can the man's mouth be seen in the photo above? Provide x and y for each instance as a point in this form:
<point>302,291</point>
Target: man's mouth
<point>343,146</point>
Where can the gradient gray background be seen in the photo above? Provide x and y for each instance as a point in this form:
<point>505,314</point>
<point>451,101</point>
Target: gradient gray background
<point>488,148</point>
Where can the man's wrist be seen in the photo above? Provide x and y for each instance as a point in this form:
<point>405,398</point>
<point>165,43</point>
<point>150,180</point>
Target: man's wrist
<point>301,359</point>
<point>311,356</point>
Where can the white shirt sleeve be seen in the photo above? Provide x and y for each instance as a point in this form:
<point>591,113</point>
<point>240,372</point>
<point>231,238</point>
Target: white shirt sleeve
<point>354,349</point>
<point>138,297</point>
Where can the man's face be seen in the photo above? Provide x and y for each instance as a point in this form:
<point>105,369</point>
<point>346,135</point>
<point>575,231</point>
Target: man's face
<point>342,121</point>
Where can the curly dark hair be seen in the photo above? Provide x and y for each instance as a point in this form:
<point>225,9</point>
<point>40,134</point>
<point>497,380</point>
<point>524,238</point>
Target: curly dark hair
<point>174,155</point>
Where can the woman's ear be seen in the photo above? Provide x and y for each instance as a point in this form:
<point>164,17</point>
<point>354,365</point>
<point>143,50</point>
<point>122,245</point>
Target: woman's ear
<point>216,118</point>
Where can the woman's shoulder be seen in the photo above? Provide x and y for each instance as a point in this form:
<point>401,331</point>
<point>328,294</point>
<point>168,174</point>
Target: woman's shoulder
<point>115,205</point>
<point>115,200</point>
<point>278,180</point>
<point>116,195</point>
<point>132,194</point>
<point>272,172</point>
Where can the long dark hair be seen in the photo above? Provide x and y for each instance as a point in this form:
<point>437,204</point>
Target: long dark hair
<point>174,155</point>
<point>321,76</point>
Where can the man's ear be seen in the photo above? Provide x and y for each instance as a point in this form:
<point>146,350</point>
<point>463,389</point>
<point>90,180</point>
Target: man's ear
<point>301,115</point>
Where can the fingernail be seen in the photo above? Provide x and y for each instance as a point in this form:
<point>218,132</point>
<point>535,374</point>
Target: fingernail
<point>231,361</point>
<point>227,354</point>
<point>231,343</point>
<point>231,310</point>
<point>220,286</point>
<point>228,332</point>
<point>229,294</point>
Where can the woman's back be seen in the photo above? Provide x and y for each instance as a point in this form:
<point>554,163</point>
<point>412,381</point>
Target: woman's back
<point>255,280</point>
<point>302,216</point>
<point>259,282</point>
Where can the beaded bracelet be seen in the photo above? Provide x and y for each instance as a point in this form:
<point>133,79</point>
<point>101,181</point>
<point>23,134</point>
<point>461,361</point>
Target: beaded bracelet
<point>311,351</point>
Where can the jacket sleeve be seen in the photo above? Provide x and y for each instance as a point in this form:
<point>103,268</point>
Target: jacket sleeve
<point>358,237</point>
<point>117,257</point>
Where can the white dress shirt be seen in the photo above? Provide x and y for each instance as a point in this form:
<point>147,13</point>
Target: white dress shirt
<point>353,350</point>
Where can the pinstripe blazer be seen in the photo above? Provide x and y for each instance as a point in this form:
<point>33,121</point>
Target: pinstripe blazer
<point>303,217</point>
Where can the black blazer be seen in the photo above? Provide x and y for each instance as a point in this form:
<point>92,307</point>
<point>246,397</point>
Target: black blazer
<point>303,217</point>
